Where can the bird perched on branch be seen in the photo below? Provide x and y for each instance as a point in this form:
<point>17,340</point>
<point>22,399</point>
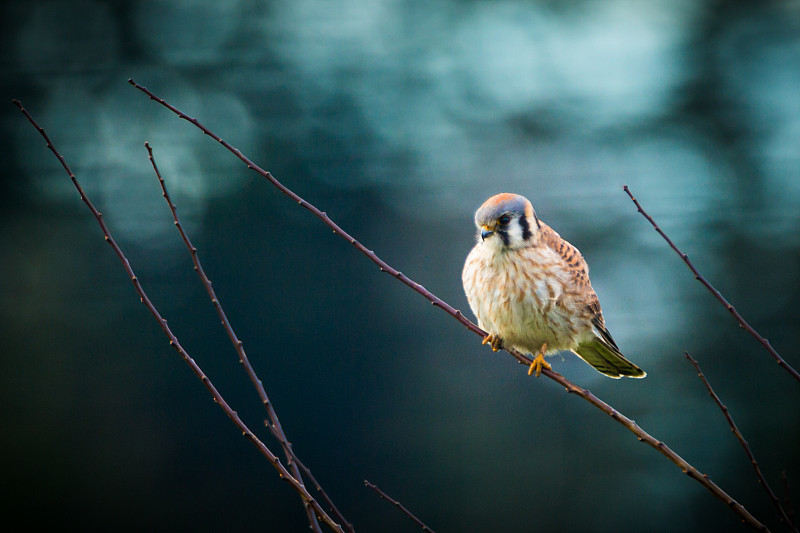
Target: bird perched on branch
<point>530,290</point>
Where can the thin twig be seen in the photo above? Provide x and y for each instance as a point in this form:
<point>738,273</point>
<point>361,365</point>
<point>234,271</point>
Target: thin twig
<point>399,505</point>
<point>237,344</point>
<point>173,340</point>
<point>735,429</point>
<point>643,436</point>
<point>699,277</point>
<point>347,526</point>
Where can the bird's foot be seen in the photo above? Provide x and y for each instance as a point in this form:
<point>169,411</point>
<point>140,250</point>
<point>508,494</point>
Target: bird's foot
<point>494,341</point>
<point>539,363</point>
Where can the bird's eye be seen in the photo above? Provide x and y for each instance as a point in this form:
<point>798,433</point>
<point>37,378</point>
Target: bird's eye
<point>504,220</point>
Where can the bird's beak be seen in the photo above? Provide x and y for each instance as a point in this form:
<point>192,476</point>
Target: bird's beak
<point>486,231</point>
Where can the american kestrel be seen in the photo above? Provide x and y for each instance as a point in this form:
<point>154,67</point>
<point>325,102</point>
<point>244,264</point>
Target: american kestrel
<point>530,290</point>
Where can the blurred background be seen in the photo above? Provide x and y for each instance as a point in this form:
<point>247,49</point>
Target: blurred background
<point>398,118</point>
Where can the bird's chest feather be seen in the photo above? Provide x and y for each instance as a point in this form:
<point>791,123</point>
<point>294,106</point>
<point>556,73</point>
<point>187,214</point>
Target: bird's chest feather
<point>522,295</point>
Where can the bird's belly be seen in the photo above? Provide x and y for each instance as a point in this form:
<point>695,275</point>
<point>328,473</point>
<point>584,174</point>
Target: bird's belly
<point>529,314</point>
<point>527,325</point>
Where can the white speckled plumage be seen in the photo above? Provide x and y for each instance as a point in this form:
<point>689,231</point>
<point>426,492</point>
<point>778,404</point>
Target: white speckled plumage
<point>528,288</point>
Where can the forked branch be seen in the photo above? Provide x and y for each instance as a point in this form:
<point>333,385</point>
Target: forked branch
<point>275,424</point>
<point>173,340</point>
<point>322,494</point>
<point>643,436</point>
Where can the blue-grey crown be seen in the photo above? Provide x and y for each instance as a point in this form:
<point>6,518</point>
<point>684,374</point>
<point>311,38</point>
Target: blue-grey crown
<point>505,203</point>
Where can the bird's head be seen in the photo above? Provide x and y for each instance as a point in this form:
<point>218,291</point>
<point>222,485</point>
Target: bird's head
<point>507,221</point>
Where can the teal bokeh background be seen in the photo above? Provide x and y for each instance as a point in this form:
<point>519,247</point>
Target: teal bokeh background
<point>398,119</point>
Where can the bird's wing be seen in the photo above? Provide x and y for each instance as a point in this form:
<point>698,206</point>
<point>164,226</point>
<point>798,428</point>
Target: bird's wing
<point>573,259</point>
<point>600,324</point>
<point>601,352</point>
<point>579,274</point>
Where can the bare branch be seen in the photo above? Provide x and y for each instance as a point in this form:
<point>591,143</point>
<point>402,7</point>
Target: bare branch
<point>173,340</point>
<point>237,344</point>
<point>735,429</point>
<point>400,506</point>
<point>347,526</point>
<point>643,436</point>
<point>699,277</point>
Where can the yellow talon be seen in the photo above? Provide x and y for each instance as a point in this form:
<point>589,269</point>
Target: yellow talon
<point>539,362</point>
<point>495,341</point>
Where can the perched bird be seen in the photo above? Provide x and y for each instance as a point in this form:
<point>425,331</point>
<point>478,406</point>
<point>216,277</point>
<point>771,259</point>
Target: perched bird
<point>530,290</point>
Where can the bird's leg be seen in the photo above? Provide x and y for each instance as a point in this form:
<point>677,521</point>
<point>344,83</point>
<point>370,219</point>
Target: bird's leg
<point>539,362</point>
<point>494,341</point>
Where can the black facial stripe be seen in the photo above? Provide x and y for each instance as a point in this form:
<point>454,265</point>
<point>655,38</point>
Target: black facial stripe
<point>503,236</point>
<point>526,230</point>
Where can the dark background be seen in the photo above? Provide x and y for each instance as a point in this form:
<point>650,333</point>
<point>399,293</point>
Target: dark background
<point>398,118</point>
